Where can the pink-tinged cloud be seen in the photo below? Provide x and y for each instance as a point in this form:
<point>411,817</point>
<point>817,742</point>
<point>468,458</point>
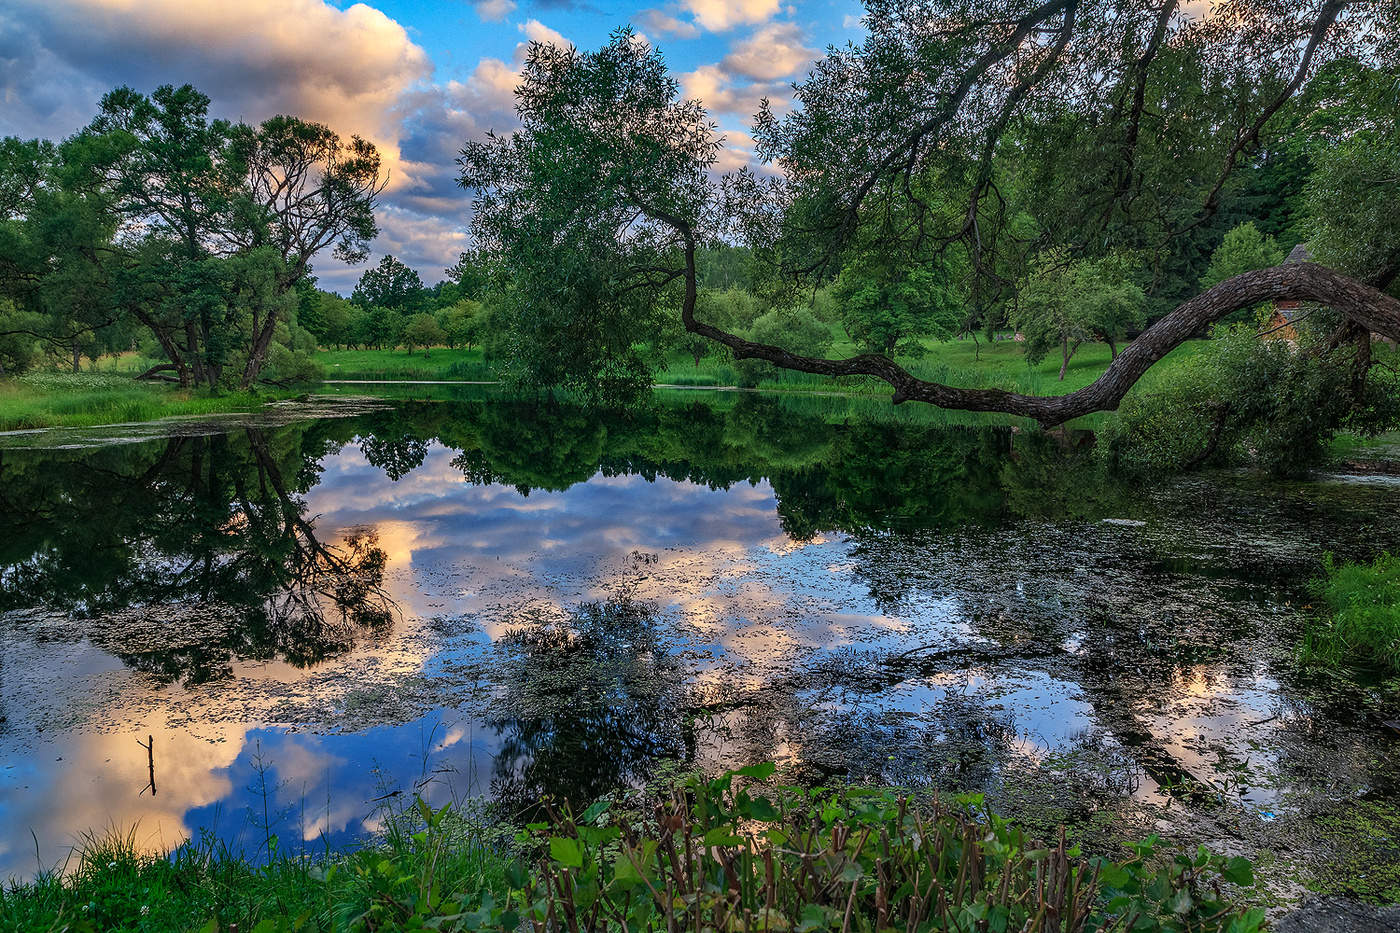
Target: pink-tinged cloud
<point>722,15</point>
<point>777,50</point>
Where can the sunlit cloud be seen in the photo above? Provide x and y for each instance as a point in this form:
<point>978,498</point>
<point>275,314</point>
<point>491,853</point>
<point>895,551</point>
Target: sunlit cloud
<point>494,11</point>
<point>775,51</point>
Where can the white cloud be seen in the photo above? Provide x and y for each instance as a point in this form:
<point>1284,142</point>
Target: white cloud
<point>254,57</point>
<point>665,24</point>
<point>718,91</point>
<point>494,11</point>
<point>722,15</point>
<point>536,31</point>
<point>774,51</point>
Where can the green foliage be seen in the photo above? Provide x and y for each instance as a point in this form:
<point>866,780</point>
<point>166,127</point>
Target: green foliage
<point>1352,214</point>
<point>1246,399</point>
<point>1244,249</point>
<point>1065,304</point>
<point>196,233</point>
<point>794,328</point>
<point>730,853</point>
<point>423,330</point>
<point>391,284</point>
<point>1362,625</point>
<point>570,211</point>
<point>887,305</point>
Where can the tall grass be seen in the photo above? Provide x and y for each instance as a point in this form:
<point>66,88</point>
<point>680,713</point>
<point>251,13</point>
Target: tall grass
<point>41,400</point>
<point>1362,624</point>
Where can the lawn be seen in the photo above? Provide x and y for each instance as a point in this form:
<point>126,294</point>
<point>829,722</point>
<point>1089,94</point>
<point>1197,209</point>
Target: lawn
<point>438,363</point>
<point>999,364</point>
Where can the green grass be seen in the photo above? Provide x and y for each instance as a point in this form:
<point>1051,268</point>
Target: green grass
<point>43,400</point>
<point>1000,364</point>
<point>733,853</point>
<point>439,363</point>
<point>1362,625</point>
<point>202,885</point>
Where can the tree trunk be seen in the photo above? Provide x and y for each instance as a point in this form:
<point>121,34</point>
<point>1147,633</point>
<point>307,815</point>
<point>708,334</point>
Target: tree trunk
<point>1303,281</point>
<point>77,358</point>
<point>1112,348</point>
<point>1064,355</point>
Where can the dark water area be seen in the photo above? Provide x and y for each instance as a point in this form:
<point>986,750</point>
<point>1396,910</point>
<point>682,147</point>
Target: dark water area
<point>311,619</point>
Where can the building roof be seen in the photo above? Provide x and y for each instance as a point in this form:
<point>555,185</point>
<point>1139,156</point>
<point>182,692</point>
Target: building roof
<point>1300,253</point>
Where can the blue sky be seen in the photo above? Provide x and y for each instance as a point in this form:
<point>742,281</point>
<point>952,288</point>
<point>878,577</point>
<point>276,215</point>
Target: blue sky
<point>417,78</point>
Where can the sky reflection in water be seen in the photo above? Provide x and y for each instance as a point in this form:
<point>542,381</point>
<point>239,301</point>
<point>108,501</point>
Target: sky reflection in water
<point>943,655</point>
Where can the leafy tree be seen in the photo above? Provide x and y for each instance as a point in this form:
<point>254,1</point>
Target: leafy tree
<point>1097,130</point>
<point>1352,217</point>
<point>390,284</point>
<point>380,328</point>
<point>423,330</point>
<point>1244,249</point>
<point>470,274</point>
<point>586,210</point>
<point>1065,305</point>
<point>887,305</point>
<point>18,349</point>
<point>196,230</point>
<point>461,323</point>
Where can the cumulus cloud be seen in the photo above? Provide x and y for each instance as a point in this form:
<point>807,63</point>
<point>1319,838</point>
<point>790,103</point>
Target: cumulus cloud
<point>665,24</point>
<point>343,67</point>
<point>495,11</point>
<point>774,51</point>
<point>536,31</point>
<point>722,15</point>
<point>721,94</point>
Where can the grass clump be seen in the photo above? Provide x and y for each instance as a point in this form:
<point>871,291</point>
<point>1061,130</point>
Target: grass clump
<point>44,400</point>
<point>1362,624</point>
<point>707,855</point>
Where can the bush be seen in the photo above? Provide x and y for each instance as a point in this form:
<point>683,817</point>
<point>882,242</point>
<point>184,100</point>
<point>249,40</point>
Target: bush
<point>1248,400</point>
<point>1363,621</point>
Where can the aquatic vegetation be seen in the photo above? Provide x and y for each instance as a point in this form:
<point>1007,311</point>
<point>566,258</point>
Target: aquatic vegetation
<point>722,854</point>
<point>1363,621</point>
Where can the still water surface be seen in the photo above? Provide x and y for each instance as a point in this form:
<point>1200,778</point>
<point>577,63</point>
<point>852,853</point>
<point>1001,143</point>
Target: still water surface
<point>309,620</point>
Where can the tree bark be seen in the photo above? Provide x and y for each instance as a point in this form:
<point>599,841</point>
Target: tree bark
<point>1064,355</point>
<point>1368,307</point>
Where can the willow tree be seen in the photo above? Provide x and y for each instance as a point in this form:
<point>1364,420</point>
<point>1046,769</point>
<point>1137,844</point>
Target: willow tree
<point>1082,128</point>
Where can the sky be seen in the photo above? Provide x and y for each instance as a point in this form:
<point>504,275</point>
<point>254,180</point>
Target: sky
<point>416,78</point>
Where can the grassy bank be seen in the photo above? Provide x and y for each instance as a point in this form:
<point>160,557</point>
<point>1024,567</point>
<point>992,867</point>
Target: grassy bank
<point>439,363</point>
<point>1000,364</point>
<point>1361,623</point>
<point>42,400</point>
<point>727,854</point>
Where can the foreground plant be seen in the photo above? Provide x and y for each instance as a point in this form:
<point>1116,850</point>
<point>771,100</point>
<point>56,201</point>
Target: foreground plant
<point>718,856</point>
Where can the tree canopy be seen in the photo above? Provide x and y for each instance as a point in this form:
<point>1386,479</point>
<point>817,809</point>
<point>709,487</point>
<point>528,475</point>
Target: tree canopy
<point>980,137</point>
<point>195,231</point>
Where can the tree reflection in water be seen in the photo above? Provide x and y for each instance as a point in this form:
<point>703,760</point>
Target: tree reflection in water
<point>182,557</point>
<point>588,704</point>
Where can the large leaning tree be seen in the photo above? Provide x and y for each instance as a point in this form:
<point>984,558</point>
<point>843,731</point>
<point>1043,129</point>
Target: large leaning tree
<point>1005,131</point>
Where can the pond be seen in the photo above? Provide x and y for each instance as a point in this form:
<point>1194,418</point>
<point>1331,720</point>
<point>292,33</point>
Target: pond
<point>275,627</point>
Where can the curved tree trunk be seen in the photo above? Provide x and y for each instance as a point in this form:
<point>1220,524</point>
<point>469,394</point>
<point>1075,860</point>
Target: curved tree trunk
<point>1366,306</point>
